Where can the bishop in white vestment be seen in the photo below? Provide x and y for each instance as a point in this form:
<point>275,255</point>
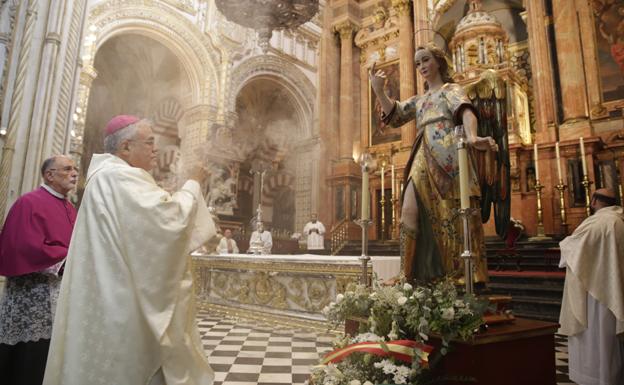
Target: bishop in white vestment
<point>125,314</point>
<point>592,309</point>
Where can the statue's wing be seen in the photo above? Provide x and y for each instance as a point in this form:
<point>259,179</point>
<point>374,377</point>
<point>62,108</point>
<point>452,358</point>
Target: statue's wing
<point>488,95</point>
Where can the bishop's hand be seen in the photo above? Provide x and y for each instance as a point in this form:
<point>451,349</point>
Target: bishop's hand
<point>198,173</point>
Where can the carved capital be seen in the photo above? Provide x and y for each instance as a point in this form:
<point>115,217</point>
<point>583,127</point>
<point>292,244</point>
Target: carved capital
<point>402,7</point>
<point>346,29</point>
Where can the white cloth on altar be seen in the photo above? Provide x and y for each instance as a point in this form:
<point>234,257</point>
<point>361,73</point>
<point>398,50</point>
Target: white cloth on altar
<point>126,309</point>
<point>223,247</point>
<point>592,308</point>
<point>264,238</point>
<point>315,239</point>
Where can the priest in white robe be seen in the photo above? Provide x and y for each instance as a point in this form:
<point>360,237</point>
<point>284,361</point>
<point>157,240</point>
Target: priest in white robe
<point>227,245</point>
<point>314,231</point>
<point>125,313</point>
<point>592,309</point>
<point>261,238</point>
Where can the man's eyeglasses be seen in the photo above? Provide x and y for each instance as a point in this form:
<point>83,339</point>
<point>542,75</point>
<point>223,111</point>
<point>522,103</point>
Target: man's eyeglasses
<point>66,169</point>
<point>149,142</point>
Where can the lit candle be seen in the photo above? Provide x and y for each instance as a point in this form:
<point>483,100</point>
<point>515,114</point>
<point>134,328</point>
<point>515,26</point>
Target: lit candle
<point>535,161</point>
<point>558,162</point>
<point>582,144</point>
<point>393,181</point>
<point>382,182</point>
<point>464,186</point>
<point>365,196</point>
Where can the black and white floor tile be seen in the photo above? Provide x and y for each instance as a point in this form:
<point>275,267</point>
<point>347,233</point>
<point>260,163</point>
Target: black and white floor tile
<point>247,353</point>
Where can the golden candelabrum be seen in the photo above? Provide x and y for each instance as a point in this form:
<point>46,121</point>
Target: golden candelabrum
<point>586,184</point>
<point>395,228</point>
<point>541,235</point>
<point>383,164</point>
<point>562,211</point>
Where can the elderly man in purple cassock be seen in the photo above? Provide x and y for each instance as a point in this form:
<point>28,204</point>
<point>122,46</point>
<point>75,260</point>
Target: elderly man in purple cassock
<point>33,246</point>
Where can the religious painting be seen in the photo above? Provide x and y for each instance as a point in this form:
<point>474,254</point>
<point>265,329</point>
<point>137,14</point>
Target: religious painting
<point>340,206</point>
<point>378,132</point>
<point>354,202</point>
<point>609,24</point>
<point>575,180</point>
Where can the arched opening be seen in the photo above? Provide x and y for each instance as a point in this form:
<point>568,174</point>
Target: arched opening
<point>140,76</point>
<point>267,132</point>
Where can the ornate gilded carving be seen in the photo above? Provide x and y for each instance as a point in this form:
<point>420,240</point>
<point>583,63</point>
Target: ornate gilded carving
<point>401,6</point>
<point>283,287</point>
<point>346,29</point>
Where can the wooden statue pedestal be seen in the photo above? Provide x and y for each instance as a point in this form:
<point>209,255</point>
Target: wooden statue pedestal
<point>518,353</point>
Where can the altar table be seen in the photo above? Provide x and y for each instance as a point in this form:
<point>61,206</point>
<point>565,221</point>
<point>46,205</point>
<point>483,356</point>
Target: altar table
<point>279,287</point>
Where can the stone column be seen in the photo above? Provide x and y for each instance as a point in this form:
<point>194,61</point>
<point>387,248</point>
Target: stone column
<point>422,35</point>
<point>406,64</point>
<point>346,30</point>
<point>541,68</point>
<point>38,103</point>
<point>570,61</point>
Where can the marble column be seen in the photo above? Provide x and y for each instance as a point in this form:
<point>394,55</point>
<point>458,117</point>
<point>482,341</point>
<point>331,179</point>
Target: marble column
<point>570,61</point>
<point>406,64</point>
<point>541,68</point>
<point>40,82</point>
<point>422,35</point>
<point>346,30</point>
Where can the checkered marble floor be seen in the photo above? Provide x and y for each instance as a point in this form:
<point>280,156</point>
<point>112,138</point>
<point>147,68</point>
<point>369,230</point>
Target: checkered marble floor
<point>245,352</point>
<point>561,360</point>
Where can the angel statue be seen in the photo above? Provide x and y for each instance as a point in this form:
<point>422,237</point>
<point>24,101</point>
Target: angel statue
<point>430,224</point>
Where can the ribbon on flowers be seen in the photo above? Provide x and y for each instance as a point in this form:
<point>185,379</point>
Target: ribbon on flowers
<point>403,350</point>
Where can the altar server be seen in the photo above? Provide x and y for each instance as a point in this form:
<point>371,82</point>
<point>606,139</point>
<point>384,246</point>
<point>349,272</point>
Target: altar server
<point>592,311</point>
<point>126,310</point>
<point>262,238</point>
<point>314,231</point>
<point>227,245</point>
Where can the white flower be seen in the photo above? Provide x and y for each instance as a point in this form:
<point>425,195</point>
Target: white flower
<point>331,304</point>
<point>373,295</point>
<point>420,294</point>
<point>402,300</point>
<point>407,287</point>
<point>367,383</point>
<point>325,310</point>
<point>393,335</point>
<point>339,298</point>
<point>355,382</point>
<point>366,337</point>
<point>459,303</point>
<point>448,313</point>
<point>423,336</point>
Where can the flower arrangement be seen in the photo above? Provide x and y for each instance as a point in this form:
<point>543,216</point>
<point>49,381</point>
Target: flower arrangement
<point>391,347</point>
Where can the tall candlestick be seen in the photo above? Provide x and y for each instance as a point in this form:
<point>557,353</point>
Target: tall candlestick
<point>393,181</point>
<point>535,161</point>
<point>464,186</point>
<point>583,162</point>
<point>558,156</point>
<point>382,181</point>
<point>365,195</point>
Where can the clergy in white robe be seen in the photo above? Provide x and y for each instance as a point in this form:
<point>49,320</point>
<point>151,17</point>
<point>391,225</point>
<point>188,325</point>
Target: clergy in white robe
<point>314,231</point>
<point>125,313</point>
<point>592,309</point>
<point>263,238</point>
<point>227,245</point>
